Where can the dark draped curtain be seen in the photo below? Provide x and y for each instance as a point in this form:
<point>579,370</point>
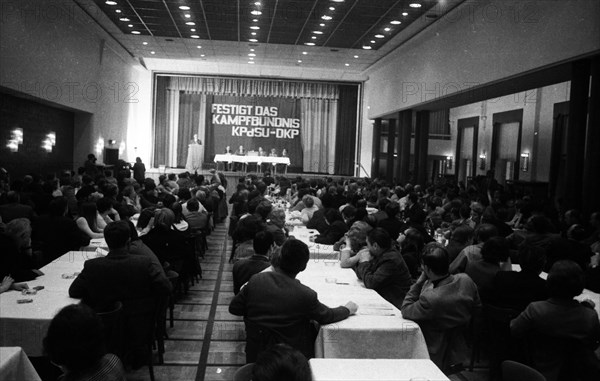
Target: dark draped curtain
<point>161,129</point>
<point>209,149</point>
<point>346,130</point>
<point>189,113</point>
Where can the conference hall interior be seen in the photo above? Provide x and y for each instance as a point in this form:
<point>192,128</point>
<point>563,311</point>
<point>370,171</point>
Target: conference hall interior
<point>417,132</point>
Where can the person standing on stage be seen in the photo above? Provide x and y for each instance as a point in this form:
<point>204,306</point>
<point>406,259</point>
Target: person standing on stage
<point>195,140</point>
<point>241,151</point>
<point>139,171</point>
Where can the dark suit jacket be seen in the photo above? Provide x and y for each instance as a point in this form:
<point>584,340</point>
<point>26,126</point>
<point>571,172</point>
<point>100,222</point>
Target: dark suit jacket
<point>318,221</point>
<point>386,274</point>
<point>245,268</point>
<point>334,232</point>
<point>56,236</point>
<point>443,312</point>
<point>516,290</point>
<point>279,235</point>
<point>278,308</point>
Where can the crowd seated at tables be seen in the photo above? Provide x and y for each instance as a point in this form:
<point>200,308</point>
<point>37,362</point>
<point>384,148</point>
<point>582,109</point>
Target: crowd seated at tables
<point>385,233</point>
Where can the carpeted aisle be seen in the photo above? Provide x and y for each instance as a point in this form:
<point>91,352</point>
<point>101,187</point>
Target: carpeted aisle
<point>206,342</point>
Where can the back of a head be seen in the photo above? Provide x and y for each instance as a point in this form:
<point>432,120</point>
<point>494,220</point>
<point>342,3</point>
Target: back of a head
<point>576,232</point>
<point>436,258</point>
<point>12,197</point>
<point>462,234</point>
<point>263,241</point>
<point>164,217</point>
<point>193,205</point>
<point>565,280</point>
<point>349,212</point>
<point>332,215</point>
<point>381,237</point>
<point>495,249</point>
<point>392,209</point>
<point>294,256</point>
<point>327,200</point>
<point>281,363</point>
<point>486,231</point>
<point>117,234</point>
<point>263,209</point>
<point>308,201</point>
<point>184,194</point>
<point>75,338</point>
<point>58,206</point>
<point>103,204</point>
<point>538,224</point>
<point>532,258</point>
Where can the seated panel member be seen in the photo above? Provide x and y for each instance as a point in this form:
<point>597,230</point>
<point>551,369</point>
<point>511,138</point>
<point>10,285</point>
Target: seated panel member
<point>241,151</point>
<point>442,305</point>
<point>277,308</point>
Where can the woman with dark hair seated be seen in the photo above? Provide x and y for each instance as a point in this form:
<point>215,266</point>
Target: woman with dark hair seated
<point>562,332</point>
<point>75,343</point>
<point>411,248</point>
<point>281,362</point>
<point>89,220</point>
<point>336,228</point>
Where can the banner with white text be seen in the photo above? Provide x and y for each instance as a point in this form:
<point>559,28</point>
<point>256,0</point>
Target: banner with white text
<point>254,123</point>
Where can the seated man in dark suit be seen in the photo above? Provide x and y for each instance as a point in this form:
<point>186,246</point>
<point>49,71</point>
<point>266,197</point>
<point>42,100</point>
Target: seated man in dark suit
<point>336,228</point>
<point>260,260</point>
<point>383,269</point>
<point>14,209</point>
<point>277,308</point>
<point>442,305</point>
<point>131,279</point>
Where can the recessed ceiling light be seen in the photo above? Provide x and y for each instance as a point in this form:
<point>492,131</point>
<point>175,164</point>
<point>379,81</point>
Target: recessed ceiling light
<point>255,27</point>
<point>314,37</point>
<point>256,13</point>
<point>190,23</point>
<point>153,52</point>
<point>404,14</point>
<point>355,56</point>
<point>251,54</point>
<point>118,10</point>
<point>317,32</point>
<point>326,18</point>
<point>309,43</point>
<point>332,8</point>
<point>111,2</point>
<point>338,1</point>
<point>135,32</point>
<point>347,64</point>
<point>373,41</point>
<point>414,5</point>
<point>321,24</point>
<point>305,53</point>
<point>199,47</point>
<point>144,43</point>
<point>253,40</point>
<point>251,50</point>
<point>257,3</point>
<point>251,58</point>
<point>251,62</point>
<point>366,47</point>
<point>194,36</point>
<point>299,61</point>
<point>184,7</point>
<point>187,16</point>
<point>253,33</point>
<point>202,55</point>
<point>255,20</point>
<point>124,19</point>
<point>192,30</point>
<point>387,29</point>
<point>130,25</point>
<point>379,36</point>
<point>395,22</point>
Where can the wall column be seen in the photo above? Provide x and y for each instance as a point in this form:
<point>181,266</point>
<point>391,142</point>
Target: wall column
<point>403,144</point>
<point>591,166</point>
<point>421,146</point>
<point>390,150</point>
<point>576,131</point>
<point>376,148</point>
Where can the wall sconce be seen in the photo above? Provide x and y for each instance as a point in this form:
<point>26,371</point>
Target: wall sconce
<point>482,158</point>
<point>111,142</point>
<point>16,139</point>
<point>449,160</point>
<point>525,161</point>
<point>49,142</point>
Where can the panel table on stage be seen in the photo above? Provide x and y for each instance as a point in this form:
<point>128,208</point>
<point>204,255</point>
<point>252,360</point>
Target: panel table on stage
<point>25,324</point>
<point>376,370</point>
<point>376,331</point>
<point>251,159</point>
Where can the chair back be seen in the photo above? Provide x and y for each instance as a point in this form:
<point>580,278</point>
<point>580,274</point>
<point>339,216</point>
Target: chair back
<point>244,373</point>
<point>514,371</point>
<point>112,320</point>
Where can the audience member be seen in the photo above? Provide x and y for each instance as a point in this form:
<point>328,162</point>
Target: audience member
<point>89,221</point>
<point>260,260</point>
<point>281,362</point>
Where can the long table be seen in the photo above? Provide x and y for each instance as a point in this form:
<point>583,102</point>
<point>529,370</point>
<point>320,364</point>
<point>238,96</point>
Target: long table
<point>15,365</point>
<point>252,159</point>
<point>25,325</point>
<point>376,370</point>
<point>376,331</point>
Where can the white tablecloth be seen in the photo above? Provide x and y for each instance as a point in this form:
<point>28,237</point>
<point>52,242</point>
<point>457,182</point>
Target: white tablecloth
<point>376,331</point>
<point>25,324</point>
<point>317,251</point>
<point>225,158</point>
<point>15,366</point>
<point>376,370</point>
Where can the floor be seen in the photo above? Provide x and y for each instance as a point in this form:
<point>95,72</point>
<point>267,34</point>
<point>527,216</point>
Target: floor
<point>206,342</point>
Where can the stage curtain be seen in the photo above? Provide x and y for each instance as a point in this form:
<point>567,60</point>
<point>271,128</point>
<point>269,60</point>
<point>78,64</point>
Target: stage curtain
<point>317,120</point>
<point>160,123</point>
<point>345,140</point>
<point>189,110</point>
<point>172,126</point>
<point>253,87</point>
